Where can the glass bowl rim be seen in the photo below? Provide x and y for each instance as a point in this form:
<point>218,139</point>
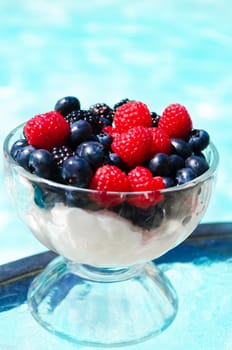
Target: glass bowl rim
<point>32,177</point>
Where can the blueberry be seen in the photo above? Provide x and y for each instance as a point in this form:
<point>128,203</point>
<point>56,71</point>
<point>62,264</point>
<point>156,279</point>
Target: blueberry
<point>105,139</point>
<point>93,137</point>
<point>46,197</point>
<point>76,171</point>
<point>76,199</point>
<point>114,159</point>
<point>105,121</point>
<point>41,163</point>
<point>185,175</point>
<point>67,104</point>
<point>169,181</point>
<point>182,148</point>
<point>93,152</point>
<point>198,140</point>
<point>17,146</point>
<point>145,218</point>
<point>80,131</point>
<point>175,163</point>
<point>87,115</point>
<point>198,164</point>
<point>200,154</point>
<point>23,154</point>
<point>149,218</point>
<point>158,165</point>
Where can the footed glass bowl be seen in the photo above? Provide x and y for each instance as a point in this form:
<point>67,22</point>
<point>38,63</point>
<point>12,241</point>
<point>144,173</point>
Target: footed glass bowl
<point>104,288</point>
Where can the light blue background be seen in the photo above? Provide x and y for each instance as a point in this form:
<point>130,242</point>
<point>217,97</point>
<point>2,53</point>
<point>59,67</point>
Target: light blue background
<point>158,52</point>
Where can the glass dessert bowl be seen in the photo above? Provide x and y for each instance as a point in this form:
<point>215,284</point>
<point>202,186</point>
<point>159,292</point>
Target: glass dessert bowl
<point>104,288</point>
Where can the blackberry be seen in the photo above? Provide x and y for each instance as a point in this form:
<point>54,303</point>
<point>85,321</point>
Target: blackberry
<point>61,153</point>
<point>155,118</point>
<point>87,115</point>
<point>76,115</point>
<point>102,110</point>
<point>120,103</point>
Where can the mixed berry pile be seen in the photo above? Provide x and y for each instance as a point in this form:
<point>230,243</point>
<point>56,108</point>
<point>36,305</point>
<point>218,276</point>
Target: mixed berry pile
<point>126,148</point>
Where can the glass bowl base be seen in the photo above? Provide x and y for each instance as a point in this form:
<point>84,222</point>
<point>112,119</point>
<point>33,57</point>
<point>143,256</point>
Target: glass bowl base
<point>102,306</point>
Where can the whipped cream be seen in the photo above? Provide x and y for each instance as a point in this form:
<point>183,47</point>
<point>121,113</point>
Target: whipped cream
<point>102,238</point>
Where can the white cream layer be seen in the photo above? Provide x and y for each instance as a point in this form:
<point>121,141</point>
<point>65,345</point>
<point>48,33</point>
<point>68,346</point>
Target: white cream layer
<point>101,238</point>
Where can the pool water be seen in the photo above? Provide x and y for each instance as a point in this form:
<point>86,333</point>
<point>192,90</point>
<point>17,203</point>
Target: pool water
<point>103,51</point>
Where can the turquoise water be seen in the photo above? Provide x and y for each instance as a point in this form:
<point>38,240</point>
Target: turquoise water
<point>102,51</point>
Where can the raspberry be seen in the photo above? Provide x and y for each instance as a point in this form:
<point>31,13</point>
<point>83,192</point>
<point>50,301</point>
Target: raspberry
<point>47,130</point>
<point>133,146</point>
<point>131,114</point>
<point>140,179</point>
<point>111,131</point>
<point>109,178</point>
<point>176,121</point>
<point>161,142</point>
